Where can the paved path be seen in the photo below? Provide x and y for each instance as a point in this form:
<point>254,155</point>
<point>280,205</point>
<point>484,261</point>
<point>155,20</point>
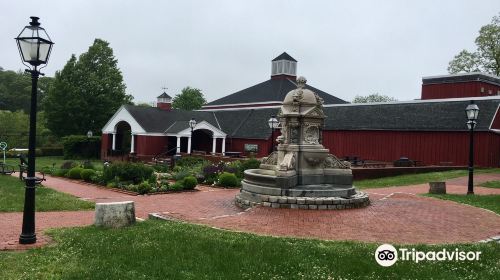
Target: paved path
<point>396,215</point>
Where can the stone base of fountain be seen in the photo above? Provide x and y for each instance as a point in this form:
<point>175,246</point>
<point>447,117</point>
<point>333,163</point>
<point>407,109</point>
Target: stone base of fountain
<point>248,199</point>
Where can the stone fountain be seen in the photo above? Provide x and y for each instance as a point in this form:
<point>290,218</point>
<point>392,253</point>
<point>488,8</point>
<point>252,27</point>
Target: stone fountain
<point>301,174</point>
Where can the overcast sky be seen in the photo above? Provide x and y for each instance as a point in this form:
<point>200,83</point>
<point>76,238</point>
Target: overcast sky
<point>345,48</point>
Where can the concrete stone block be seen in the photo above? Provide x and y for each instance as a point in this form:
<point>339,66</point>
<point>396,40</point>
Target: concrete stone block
<point>322,207</point>
<point>301,200</point>
<point>310,200</point>
<point>114,214</point>
<point>294,206</point>
<point>282,199</point>
<point>313,207</point>
<point>266,204</point>
<point>303,206</point>
<point>273,199</point>
<point>292,200</point>
<point>331,207</point>
<point>319,201</point>
<point>275,205</point>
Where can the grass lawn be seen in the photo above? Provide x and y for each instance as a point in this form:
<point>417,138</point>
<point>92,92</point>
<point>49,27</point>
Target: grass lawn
<point>12,198</point>
<point>172,250</point>
<point>491,184</point>
<point>421,178</point>
<point>48,161</point>
<point>490,202</point>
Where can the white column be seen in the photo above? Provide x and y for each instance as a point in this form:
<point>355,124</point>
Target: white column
<point>224,146</point>
<point>113,146</point>
<point>132,144</point>
<point>214,141</point>
<point>189,145</point>
<point>178,151</point>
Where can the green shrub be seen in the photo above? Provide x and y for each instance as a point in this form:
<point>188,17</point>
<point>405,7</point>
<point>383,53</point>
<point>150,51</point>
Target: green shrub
<point>75,173</point>
<point>190,183</point>
<point>60,172</point>
<point>161,168</point>
<point>164,186</point>
<point>68,164</point>
<point>112,185</point>
<point>181,175</point>
<point>152,179</point>
<point>97,178</point>
<point>81,146</point>
<point>47,170</point>
<point>144,188</point>
<point>177,186</point>
<point>87,174</point>
<point>132,188</point>
<point>250,164</point>
<point>87,164</point>
<point>127,171</point>
<point>190,161</point>
<point>228,180</point>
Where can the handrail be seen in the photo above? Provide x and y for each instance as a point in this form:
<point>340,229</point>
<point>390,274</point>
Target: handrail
<point>164,153</point>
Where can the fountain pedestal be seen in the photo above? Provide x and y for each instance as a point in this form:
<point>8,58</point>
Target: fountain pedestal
<point>301,173</point>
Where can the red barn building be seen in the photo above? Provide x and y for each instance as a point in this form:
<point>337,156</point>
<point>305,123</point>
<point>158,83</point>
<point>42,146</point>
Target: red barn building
<point>432,130</point>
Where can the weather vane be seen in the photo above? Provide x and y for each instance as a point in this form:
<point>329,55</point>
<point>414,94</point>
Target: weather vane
<point>164,88</point>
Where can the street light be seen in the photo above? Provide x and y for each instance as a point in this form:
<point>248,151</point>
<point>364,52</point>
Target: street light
<point>34,46</point>
<point>471,111</point>
<point>273,124</point>
<point>192,124</point>
<point>89,134</point>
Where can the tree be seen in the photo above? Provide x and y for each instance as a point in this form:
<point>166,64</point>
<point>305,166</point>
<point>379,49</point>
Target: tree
<point>487,56</point>
<point>189,99</point>
<point>86,92</point>
<point>373,98</point>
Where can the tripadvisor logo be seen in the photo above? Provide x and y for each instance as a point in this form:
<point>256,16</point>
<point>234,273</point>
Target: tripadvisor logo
<point>386,255</point>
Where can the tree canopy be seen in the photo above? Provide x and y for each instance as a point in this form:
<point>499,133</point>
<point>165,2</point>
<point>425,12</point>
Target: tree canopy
<point>86,92</point>
<point>373,98</point>
<point>189,99</point>
<point>486,58</point>
<point>15,90</point>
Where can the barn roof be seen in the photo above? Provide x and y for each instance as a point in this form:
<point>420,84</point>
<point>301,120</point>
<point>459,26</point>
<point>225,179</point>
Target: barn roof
<point>442,115</point>
<point>270,90</point>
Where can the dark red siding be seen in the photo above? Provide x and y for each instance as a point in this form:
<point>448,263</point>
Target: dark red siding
<point>105,144</point>
<point>432,148</point>
<point>150,145</point>
<point>458,90</point>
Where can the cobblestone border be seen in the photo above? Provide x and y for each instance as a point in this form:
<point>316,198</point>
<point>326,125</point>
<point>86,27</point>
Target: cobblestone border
<point>360,199</point>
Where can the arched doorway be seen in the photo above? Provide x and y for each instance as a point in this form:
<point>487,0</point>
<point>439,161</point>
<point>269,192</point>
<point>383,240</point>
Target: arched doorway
<point>202,140</point>
<point>123,137</point>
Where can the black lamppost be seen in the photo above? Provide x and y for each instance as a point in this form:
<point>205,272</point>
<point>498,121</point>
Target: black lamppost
<point>273,124</point>
<point>471,111</point>
<point>192,124</point>
<point>34,46</point>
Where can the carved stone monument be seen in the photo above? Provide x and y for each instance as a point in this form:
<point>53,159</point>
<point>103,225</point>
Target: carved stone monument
<point>301,173</point>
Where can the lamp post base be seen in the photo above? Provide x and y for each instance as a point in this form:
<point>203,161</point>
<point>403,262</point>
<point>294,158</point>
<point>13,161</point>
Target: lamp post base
<point>470,192</point>
<point>27,239</point>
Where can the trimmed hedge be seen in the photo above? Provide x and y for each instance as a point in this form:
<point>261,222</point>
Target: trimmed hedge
<point>87,174</point>
<point>190,183</point>
<point>80,146</point>
<point>127,171</point>
<point>228,180</point>
<point>75,173</point>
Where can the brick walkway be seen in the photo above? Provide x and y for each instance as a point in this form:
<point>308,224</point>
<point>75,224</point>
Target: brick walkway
<point>396,215</point>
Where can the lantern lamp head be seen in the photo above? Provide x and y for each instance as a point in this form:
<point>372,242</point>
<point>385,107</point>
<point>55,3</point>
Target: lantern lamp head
<point>34,44</point>
<point>192,123</point>
<point>472,111</point>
